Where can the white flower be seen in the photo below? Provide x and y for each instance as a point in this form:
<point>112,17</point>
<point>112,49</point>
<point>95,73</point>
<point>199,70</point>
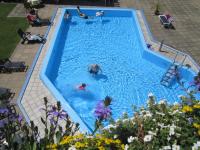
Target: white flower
<point>147,138</point>
<point>154,120</point>
<point>126,147</point>
<point>5,143</point>
<point>196,146</point>
<point>175,111</point>
<point>198,143</point>
<point>147,114</point>
<point>150,94</point>
<point>171,130</point>
<point>151,133</point>
<point>162,125</point>
<point>125,120</point>
<point>159,113</point>
<point>131,139</point>
<point>163,101</point>
<point>168,138</point>
<point>115,136</point>
<point>89,136</point>
<point>72,148</point>
<point>110,126</point>
<point>176,147</point>
<point>166,148</point>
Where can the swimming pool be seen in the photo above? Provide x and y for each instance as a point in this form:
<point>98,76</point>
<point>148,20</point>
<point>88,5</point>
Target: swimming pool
<point>116,43</point>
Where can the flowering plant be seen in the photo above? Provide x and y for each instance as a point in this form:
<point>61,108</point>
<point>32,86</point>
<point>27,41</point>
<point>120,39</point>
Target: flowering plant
<point>102,112</point>
<point>159,126</point>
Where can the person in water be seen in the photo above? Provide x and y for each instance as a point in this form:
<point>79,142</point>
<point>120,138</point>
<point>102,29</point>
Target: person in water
<point>67,15</point>
<point>82,15</point>
<point>99,13</point>
<point>81,87</point>
<point>94,69</point>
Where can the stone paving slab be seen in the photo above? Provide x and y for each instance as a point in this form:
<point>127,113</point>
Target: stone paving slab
<point>186,14</point>
<point>18,11</point>
<point>32,100</point>
<point>24,52</point>
<point>166,51</point>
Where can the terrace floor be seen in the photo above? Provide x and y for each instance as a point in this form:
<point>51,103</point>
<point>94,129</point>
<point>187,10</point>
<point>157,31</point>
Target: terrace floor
<point>186,36</point>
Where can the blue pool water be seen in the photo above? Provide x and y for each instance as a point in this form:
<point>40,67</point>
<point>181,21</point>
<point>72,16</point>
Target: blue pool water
<point>115,43</point>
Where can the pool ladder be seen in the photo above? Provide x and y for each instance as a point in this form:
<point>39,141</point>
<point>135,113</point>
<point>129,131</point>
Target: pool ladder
<point>171,72</point>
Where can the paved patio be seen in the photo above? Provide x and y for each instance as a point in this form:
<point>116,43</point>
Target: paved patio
<point>186,14</point>
<point>24,52</point>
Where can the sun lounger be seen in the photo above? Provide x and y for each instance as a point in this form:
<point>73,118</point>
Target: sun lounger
<point>37,21</point>
<point>26,36</point>
<point>166,22</point>
<point>7,66</point>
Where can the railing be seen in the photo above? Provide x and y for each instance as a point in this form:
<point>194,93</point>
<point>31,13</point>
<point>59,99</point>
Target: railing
<point>169,48</point>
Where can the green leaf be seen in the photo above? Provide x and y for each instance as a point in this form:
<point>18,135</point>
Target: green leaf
<point>34,146</point>
<point>58,136</point>
<point>43,121</point>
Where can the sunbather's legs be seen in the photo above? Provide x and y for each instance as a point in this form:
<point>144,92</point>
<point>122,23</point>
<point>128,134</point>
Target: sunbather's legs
<point>35,37</point>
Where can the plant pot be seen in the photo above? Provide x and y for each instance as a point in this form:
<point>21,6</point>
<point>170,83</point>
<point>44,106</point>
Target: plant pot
<point>157,12</point>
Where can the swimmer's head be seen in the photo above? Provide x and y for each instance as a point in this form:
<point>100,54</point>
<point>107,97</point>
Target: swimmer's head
<point>83,85</point>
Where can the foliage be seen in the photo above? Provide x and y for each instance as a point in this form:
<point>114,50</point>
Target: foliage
<point>160,125</point>
<point>30,137</point>
<point>102,112</point>
<point>83,141</point>
<point>157,8</point>
<point>8,30</point>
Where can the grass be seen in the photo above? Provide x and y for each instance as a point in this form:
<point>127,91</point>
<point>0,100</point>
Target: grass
<point>8,30</point>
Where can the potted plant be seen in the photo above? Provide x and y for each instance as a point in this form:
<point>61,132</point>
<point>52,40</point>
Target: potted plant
<point>157,10</point>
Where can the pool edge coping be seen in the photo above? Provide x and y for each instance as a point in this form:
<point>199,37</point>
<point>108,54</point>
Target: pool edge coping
<point>31,69</point>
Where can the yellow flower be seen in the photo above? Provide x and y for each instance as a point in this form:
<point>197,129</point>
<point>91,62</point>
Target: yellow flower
<point>197,106</point>
<point>79,136</point>
<point>66,140</point>
<point>117,141</point>
<point>108,141</point>
<point>52,146</point>
<point>187,109</point>
<point>196,125</point>
<point>79,145</point>
<point>122,146</point>
<point>101,148</point>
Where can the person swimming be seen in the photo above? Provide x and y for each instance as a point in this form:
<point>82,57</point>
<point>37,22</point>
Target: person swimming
<point>67,15</point>
<point>81,87</point>
<point>82,15</point>
<point>99,13</point>
<point>94,69</point>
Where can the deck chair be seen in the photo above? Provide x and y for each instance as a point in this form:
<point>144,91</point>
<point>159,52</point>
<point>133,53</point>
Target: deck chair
<point>38,21</point>
<point>7,66</point>
<point>26,36</point>
<point>166,21</point>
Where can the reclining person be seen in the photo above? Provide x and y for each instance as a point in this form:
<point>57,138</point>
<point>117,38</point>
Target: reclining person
<point>34,19</point>
<point>26,36</point>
